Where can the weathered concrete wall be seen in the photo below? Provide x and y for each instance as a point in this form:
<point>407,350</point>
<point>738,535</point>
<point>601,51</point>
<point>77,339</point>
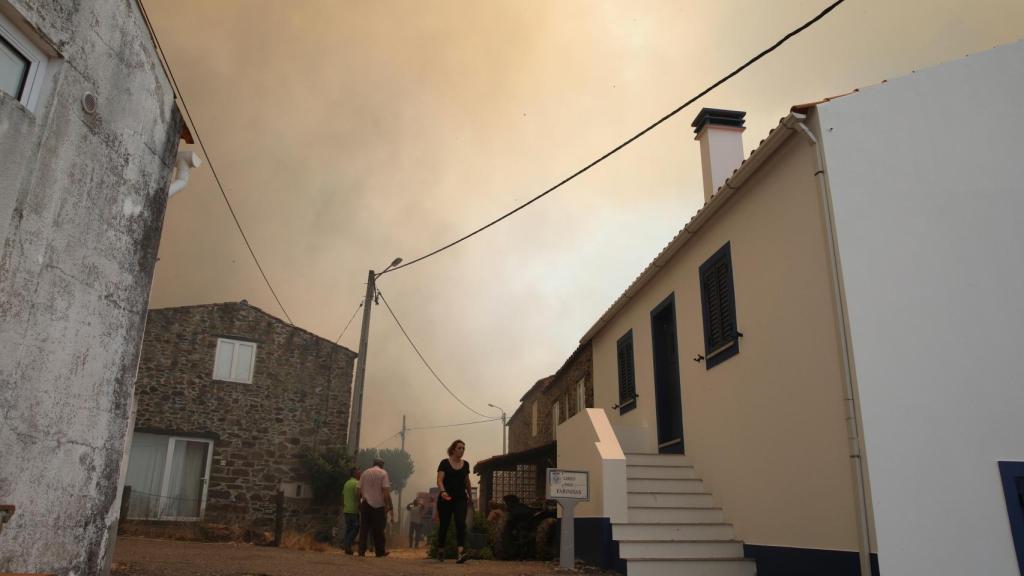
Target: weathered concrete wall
<point>298,398</point>
<point>83,199</point>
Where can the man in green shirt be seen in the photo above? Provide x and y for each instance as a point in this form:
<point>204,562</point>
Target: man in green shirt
<point>350,509</point>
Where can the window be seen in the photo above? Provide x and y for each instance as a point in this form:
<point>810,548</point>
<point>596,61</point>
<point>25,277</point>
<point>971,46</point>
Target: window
<point>718,303</point>
<point>168,476</point>
<point>581,395</point>
<point>533,421</point>
<point>22,65</point>
<point>1012,474</point>
<point>234,360</point>
<point>555,413</point>
<point>627,374</point>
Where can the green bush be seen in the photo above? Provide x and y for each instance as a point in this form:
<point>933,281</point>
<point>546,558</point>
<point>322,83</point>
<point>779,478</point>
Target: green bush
<point>327,470</point>
<point>479,534</point>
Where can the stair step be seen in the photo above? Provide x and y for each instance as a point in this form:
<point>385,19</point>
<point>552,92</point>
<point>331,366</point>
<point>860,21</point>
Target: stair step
<point>702,567</point>
<point>681,549</point>
<point>663,531</point>
<point>672,472</point>
<point>664,485</point>
<point>657,460</point>
<point>675,515</point>
<point>670,500</point>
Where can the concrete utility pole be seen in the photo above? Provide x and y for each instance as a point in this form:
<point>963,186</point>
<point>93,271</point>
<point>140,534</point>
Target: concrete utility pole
<point>504,429</point>
<point>400,492</point>
<point>355,419</point>
<point>356,412</point>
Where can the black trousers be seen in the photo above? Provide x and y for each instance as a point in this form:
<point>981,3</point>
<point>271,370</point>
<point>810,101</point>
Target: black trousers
<point>375,519</point>
<point>445,511</point>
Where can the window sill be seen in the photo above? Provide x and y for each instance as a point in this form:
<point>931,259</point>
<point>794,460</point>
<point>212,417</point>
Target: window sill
<point>722,354</point>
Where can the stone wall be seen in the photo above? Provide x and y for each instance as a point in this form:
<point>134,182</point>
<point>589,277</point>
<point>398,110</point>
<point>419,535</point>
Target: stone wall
<point>298,399</point>
<point>560,387</point>
<point>82,200</point>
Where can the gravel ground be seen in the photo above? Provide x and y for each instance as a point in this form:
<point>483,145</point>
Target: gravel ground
<point>149,557</point>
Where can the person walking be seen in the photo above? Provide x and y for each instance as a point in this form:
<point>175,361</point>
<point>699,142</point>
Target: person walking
<point>453,481</point>
<point>350,509</point>
<point>375,492</point>
<point>416,511</point>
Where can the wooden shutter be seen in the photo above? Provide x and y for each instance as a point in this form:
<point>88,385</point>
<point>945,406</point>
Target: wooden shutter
<point>718,303</point>
<point>627,374</point>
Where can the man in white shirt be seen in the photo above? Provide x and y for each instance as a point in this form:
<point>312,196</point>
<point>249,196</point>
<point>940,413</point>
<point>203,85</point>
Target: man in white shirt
<point>375,504</point>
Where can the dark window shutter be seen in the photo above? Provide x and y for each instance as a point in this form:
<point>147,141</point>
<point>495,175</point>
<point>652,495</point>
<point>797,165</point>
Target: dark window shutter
<point>718,303</point>
<point>627,374</point>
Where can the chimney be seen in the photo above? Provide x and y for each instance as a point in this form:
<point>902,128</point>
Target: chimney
<point>720,133</point>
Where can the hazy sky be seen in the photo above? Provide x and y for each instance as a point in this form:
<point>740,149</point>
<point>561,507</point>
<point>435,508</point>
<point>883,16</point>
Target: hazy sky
<point>348,133</point>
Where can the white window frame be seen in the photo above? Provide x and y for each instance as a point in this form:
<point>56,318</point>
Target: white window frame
<point>165,482</point>
<point>29,96</point>
<point>581,395</point>
<point>247,378</point>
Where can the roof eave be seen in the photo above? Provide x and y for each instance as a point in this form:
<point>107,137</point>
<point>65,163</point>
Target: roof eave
<point>749,166</point>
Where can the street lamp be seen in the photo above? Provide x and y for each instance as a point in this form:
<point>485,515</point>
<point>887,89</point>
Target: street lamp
<point>355,419</point>
<point>504,450</point>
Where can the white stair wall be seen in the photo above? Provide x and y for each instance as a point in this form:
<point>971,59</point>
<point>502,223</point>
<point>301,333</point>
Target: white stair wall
<point>673,526</point>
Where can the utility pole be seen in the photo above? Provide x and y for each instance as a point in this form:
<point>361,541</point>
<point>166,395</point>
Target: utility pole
<point>356,417</point>
<point>356,412</point>
<point>400,492</point>
<point>504,429</point>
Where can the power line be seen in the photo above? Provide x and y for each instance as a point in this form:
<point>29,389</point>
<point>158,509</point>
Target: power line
<point>195,130</point>
<point>338,339</point>
<point>454,425</point>
<point>604,156</point>
<point>382,442</point>
<point>425,363</point>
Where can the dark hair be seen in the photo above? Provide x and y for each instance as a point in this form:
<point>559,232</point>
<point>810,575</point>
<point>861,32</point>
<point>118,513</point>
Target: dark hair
<point>451,449</point>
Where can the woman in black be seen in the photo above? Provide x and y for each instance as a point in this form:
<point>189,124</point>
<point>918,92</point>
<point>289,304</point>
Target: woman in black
<point>453,481</point>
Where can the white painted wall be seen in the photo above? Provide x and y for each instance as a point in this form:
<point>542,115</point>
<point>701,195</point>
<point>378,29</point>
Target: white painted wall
<point>587,442</point>
<point>927,178</point>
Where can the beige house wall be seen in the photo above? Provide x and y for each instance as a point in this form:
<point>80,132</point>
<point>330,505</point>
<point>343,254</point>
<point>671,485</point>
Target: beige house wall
<point>765,428</point>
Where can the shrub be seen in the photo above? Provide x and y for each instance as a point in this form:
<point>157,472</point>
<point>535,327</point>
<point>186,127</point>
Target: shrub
<point>478,540</point>
<point>327,470</point>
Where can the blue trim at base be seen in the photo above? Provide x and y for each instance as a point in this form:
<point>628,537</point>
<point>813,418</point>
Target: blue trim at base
<point>594,544</point>
<point>1012,474</point>
<point>781,561</point>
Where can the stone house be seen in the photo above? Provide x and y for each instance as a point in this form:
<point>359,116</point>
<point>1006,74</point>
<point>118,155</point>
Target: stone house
<point>89,132</point>
<point>228,398</point>
<point>531,430</point>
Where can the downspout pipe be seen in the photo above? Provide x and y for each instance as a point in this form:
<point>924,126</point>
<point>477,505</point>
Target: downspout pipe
<point>186,160</point>
<point>852,415</point>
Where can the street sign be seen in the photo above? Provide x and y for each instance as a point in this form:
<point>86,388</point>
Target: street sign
<point>567,487</point>
<point>568,484</point>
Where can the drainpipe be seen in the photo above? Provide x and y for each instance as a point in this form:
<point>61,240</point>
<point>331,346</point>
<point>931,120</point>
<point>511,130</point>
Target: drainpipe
<point>186,161</point>
<point>856,457</point>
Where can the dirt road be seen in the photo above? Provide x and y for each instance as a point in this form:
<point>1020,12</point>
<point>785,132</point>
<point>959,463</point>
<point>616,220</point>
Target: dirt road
<point>146,557</point>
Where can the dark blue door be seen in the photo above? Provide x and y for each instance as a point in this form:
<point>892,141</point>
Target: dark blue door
<point>667,393</point>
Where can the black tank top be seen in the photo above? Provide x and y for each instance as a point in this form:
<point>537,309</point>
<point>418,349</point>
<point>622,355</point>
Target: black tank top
<point>454,480</point>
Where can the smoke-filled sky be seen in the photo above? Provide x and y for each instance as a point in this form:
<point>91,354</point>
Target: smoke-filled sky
<point>348,133</point>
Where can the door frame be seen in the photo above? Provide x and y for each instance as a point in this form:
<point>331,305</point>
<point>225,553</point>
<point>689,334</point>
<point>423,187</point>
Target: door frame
<point>166,481</point>
<point>674,379</point>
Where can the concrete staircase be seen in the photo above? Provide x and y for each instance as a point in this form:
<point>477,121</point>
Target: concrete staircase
<point>674,527</point>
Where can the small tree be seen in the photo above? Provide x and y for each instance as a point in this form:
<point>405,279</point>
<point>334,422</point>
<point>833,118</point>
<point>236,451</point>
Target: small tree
<point>327,470</point>
<point>398,463</point>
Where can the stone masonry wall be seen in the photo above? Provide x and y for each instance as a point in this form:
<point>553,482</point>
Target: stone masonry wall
<point>298,399</point>
<point>560,387</point>
<point>82,200</point>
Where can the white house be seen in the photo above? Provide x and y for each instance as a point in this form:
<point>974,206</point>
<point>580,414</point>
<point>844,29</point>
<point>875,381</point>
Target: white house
<point>818,375</point>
